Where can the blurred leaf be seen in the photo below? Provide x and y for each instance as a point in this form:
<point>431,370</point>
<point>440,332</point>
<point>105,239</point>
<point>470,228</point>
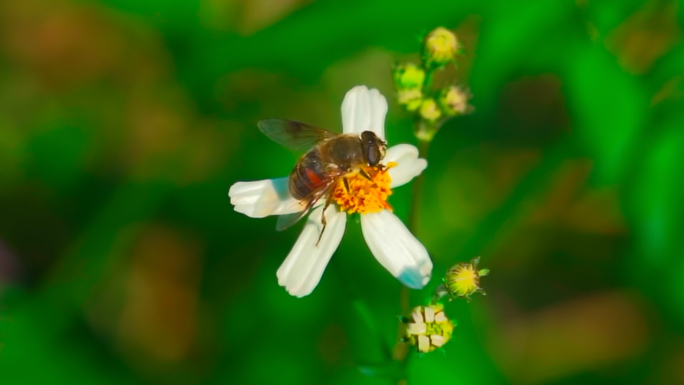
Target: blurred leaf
<point>324,32</point>
<point>11,155</point>
<point>606,15</point>
<point>63,355</point>
<point>563,340</point>
<point>659,213</point>
<point>391,370</point>
<point>645,36</point>
<point>57,154</point>
<point>609,109</point>
<point>660,192</point>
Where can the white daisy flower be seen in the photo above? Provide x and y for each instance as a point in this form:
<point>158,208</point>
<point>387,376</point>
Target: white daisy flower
<point>389,240</point>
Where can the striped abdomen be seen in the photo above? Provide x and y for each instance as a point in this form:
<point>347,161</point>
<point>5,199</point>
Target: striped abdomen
<point>308,175</point>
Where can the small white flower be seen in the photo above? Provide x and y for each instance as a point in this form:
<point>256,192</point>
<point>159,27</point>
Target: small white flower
<point>389,240</point>
<point>428,328</point>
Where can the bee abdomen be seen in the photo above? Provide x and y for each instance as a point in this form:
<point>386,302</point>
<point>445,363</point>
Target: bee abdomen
<point>307,176</point>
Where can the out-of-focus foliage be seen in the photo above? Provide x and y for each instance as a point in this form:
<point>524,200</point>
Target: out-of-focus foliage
<point>123,123</point>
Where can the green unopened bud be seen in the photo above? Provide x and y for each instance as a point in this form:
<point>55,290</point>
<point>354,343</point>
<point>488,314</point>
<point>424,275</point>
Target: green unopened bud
<point>463,279</point>
<point>454,101</point>
<point>429,110</point>
<point>428,328</point>
<point>425,131</point>
<point>440,47</point>
<point>408,75</point>
<point>410,98</point>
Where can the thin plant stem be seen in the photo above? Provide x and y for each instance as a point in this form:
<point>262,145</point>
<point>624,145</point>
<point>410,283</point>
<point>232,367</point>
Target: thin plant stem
<point>417,191</point>
<point>428,80</point>
<point>401,349</point>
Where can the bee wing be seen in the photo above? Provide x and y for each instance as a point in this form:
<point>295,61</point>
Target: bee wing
<point>294,135</point>
<point>288,220</point>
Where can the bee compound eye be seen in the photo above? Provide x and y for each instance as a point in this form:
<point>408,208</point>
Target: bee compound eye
<point>374,156</point>
<point>373,147</point>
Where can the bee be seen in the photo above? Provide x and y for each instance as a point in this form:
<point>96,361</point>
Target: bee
<point>329,158</point>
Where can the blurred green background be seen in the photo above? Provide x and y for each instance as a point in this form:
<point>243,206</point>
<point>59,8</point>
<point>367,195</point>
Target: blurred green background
<point>123,123</point>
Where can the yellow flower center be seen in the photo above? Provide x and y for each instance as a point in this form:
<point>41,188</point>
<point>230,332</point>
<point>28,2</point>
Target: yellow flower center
<point>365,190</point>
<point>463,280</point>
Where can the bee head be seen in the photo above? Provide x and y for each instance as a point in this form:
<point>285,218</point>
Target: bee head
<point>373,147</point>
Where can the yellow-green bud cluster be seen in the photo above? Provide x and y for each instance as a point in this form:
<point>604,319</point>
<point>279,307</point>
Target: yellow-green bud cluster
<point>410,98</point>
<point>440,47</point>
<point>415,93</point>
<point>409,76</point>
<point>428,328</point>
<point>429,110</point>
<point>454,100</point>
<point>408,80</point>
<point>463,279</point>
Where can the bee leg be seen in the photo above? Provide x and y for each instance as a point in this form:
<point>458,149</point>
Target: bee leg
<point>323,229</point>
<point>365,175</point>
<point>346,184</point>
<point>323,221</point>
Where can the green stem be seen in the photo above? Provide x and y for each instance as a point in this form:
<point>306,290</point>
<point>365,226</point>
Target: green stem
<point>427,85</point>
<point>400,351</point>
<point>417,191</point>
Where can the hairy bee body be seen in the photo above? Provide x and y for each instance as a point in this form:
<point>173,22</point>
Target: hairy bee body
<point>329,158</point>
<point>323,164</point>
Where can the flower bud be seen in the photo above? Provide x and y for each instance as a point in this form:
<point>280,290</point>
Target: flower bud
<point>430,111</point>
<point>463,279</point>
<point>408,75</point>
<point>410,98</point>
<point>440,47</point>
<point>454,100</point>
<point>428,328</point>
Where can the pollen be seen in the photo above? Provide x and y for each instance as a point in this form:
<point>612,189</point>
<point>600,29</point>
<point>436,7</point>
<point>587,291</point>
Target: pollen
<point>364,190</point>
<point>463,279</point>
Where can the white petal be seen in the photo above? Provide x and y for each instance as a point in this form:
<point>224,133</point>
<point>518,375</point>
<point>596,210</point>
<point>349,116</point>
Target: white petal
<point>440,317</point>
<point>378,112</point>
<point>262,198</point>
<point>416,328</point>
<point>408,165</point>
<point>423,344</point>
<point>429,314</point>
<point>437,340</point>
<point>364,110</point>
<point>396,248</point>
<point>302,269</point>
<point>417,316</point>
